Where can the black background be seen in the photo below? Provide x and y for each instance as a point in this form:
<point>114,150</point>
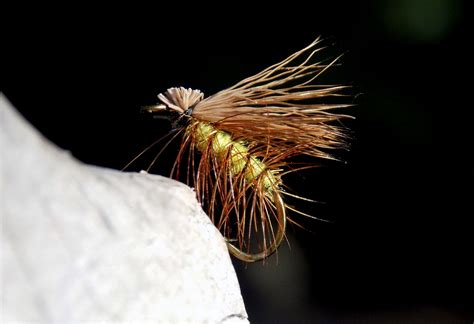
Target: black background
<point>399,245</point>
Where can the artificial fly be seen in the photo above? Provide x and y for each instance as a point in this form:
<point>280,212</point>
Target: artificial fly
<point>244,136</point>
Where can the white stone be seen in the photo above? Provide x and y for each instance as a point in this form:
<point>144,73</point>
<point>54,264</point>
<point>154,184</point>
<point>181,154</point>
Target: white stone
<point>82,243</point>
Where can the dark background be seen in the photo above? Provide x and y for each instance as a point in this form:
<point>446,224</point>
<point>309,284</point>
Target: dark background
<point>399,245</point>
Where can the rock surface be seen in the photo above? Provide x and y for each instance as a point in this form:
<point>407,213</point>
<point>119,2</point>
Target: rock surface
<point>83,243</point>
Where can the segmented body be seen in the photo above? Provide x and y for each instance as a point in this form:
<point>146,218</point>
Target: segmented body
<point>236,154</point>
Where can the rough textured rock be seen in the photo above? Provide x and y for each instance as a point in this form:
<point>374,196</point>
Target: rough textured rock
<point>83,243</point>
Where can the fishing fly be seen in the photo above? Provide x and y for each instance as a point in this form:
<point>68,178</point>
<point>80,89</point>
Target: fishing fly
<point>236,146</point>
